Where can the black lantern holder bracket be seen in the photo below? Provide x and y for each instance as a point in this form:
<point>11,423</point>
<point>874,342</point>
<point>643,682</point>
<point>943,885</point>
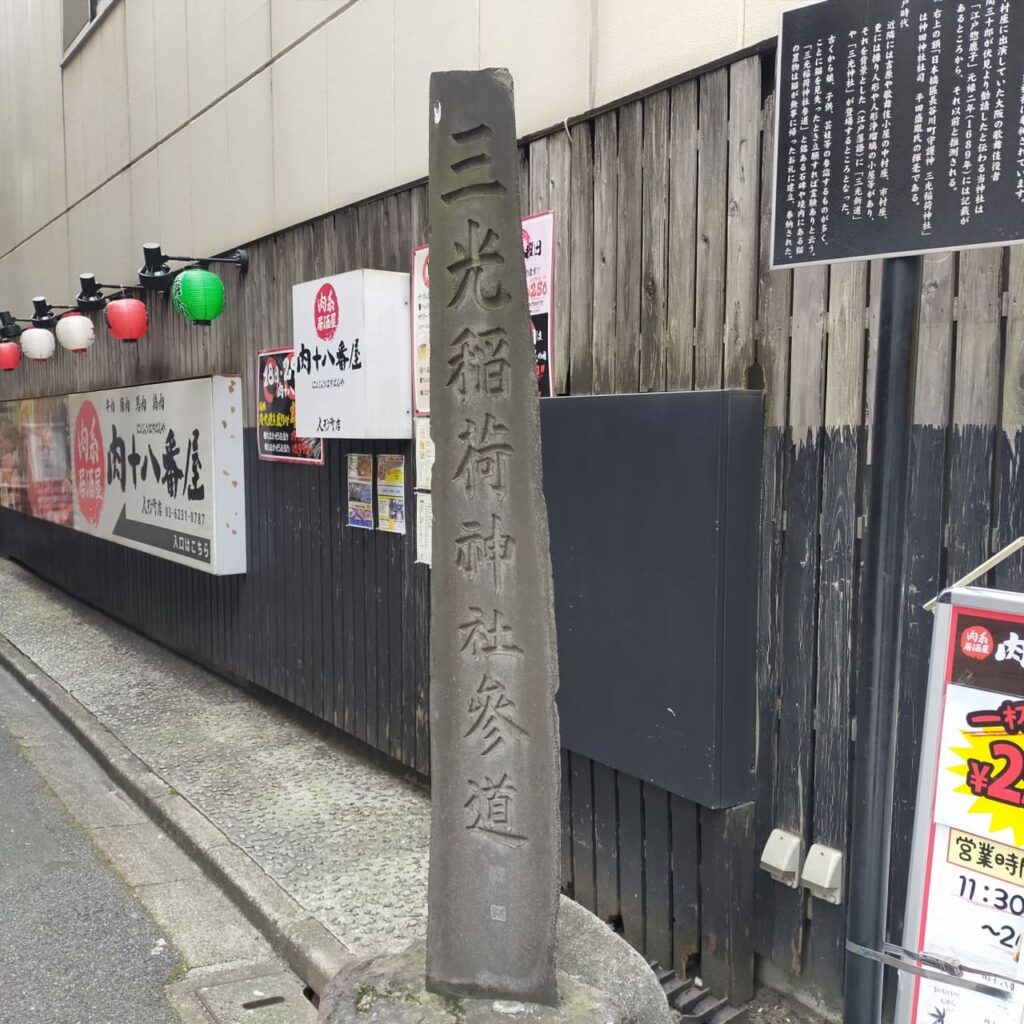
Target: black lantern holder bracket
<point>155,274</point>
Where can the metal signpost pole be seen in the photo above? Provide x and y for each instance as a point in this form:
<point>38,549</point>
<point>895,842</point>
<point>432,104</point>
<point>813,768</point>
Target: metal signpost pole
<point>878,685</point>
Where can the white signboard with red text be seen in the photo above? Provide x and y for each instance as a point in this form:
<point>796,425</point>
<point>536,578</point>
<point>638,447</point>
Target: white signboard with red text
<point>159,468</point>
<point>966,901</point>
<point>539,258</point>
<point>352,365</point>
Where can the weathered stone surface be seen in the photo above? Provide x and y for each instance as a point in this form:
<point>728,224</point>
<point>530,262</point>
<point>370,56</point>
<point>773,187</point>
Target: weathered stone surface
<point>493,887</point>
<point>591,953</point>
<point>391,990</point>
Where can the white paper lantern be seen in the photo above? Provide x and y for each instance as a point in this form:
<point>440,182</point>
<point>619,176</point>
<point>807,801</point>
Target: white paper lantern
<point>75,333</point>
<point>38,344</point>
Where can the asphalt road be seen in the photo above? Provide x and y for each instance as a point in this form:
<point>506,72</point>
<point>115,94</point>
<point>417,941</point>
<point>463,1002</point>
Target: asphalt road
<point>75,946</point>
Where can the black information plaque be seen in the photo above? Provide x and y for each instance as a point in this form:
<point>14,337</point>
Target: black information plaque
<point>900,128</point>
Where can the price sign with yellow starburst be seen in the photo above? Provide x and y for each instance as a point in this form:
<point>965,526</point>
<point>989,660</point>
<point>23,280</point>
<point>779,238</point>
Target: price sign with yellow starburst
<point>967,875</point>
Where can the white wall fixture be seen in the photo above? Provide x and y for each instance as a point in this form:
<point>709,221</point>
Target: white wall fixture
<point>823,873</point>
<point>781,857</point>
<point>353,356</point>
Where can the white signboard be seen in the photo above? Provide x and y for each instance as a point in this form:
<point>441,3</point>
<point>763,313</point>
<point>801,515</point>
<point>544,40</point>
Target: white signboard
<point>159,468</point>
<point>539,257</point>
<point>353,374</point>
<point>966,900</point>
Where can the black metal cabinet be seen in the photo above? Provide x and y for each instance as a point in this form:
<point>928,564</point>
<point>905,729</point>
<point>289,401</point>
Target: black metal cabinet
<point>654,508</point>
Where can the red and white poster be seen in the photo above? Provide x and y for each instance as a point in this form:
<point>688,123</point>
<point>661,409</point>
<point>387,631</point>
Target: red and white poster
<point>539,257</point>
<point>967,876</point>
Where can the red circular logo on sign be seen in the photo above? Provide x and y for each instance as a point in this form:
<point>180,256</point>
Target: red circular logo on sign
<point>976,642</point>
<point>88,463</point>
<point>325,312</point>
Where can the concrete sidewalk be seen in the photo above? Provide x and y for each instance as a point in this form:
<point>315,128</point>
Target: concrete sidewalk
<point>324,851</point>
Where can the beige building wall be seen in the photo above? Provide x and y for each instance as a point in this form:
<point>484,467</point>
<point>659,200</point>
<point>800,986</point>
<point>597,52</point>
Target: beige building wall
<point>203,124</point>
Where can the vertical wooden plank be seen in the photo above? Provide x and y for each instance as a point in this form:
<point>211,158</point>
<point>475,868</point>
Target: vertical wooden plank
<point>565,818</point>
<point>582,801</point>
<point>536,200</point>
<point>682,241</point>
<point>712,182</point>
<point>1010,451</point>
<point>654,261</point>
<point>727,902</point>
<point>628,265</point>
<point>976,398</point>
<point>524,175</point>
<point>844,411</point>
<point>631,859</point>
<point>330,617</point>
<point>606,843</point>
<point>799,593</point>
<point>579,327</point>
<point>774,296</point>
<point>922,571</point>
<point>605,252</point>
<point>742,220</point>
<point>685,883</point>
<point>422,606</point>
<point>560,199</point>
<point>657,875</point>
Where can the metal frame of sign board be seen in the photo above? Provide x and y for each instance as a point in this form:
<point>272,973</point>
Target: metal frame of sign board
<point>775,190</point>
<point>974,599</point>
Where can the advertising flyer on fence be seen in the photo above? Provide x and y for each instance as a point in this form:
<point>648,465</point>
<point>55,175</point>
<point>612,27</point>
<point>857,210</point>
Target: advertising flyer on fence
<point>424,527</point>
<point>276,435</point>
<point>973,888</point>
<point>391,493</point>
<point>421,330</point>
<point>424,455</point>
<point>539,257</point>
<point>35,469</point>
<point>360,491</point>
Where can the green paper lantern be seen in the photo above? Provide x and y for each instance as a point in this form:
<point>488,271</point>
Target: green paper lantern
<point>198,295</point>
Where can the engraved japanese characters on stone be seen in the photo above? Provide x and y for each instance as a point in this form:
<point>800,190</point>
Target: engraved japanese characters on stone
<point>491,713</point>
<point>485,460</point>
<point>473,170</point>
<point>491,810</point>
<point>480,364</point>
<point>478,262</point>
<point>488,634</point>
<point>478,550</point>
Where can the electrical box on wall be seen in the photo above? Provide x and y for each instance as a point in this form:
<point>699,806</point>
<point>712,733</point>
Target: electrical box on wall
<point>352,358</point>
<point>654,510</point>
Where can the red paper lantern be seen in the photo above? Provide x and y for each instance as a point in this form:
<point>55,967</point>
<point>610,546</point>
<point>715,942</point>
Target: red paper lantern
<point>127,319</point>
<point>10,355</point>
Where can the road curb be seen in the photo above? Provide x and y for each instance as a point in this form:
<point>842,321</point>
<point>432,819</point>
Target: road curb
<point>308,948</point>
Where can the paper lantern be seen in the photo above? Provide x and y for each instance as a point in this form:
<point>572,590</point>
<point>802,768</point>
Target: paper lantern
<point>38,344</point>
<point>75,332</point>
<point>198,295</point>
<point>10,355</point>
<point>127,319</point>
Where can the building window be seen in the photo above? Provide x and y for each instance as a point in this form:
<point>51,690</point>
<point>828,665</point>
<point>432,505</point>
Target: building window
<point>78,14</point>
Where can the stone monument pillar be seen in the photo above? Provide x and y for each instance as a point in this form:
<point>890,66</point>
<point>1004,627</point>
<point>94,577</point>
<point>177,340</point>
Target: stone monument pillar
<point>493,891</point>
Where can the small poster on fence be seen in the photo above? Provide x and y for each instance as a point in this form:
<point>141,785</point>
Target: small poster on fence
<point>424,526</point>
<point>424,454</point>
<point>360,491</point>
<point>391,493</point>
<point>275,412</point>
